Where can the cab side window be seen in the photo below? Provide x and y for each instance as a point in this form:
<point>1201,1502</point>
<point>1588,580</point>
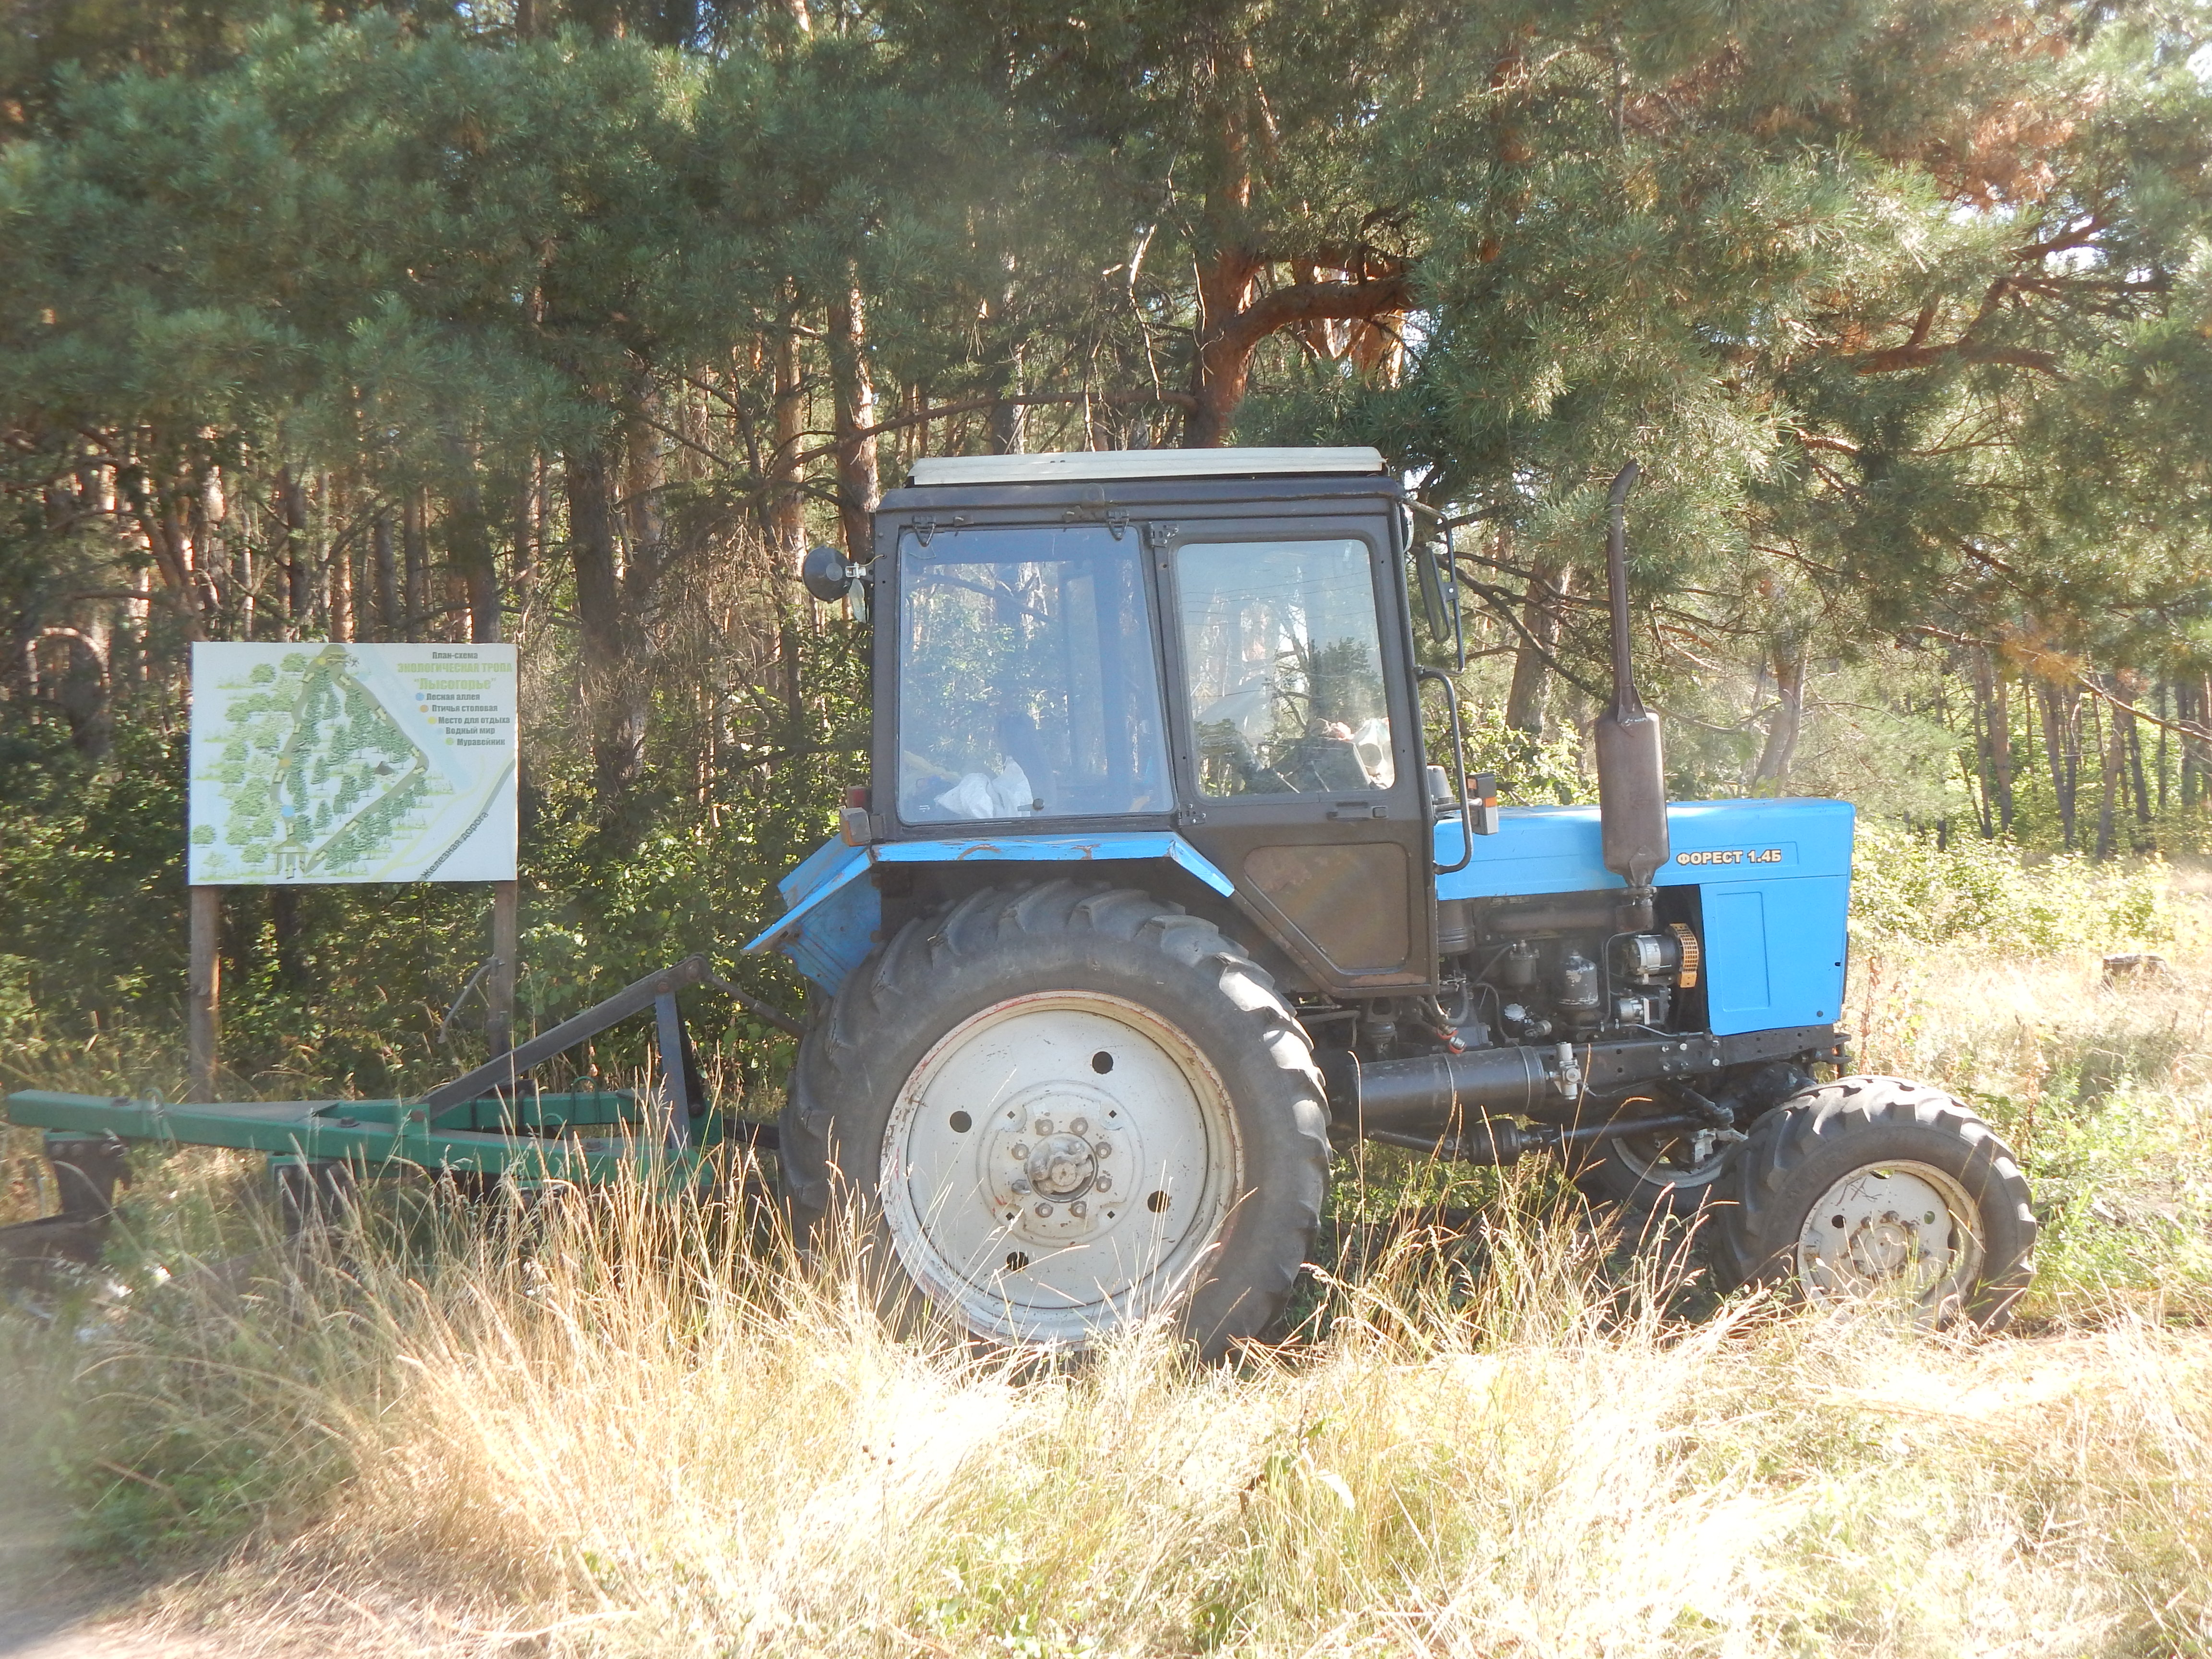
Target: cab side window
<point>1283,666</point>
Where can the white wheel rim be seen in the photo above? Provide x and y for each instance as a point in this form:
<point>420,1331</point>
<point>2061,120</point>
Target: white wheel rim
<point>1893,1230</point>
<point>1034,1230</point>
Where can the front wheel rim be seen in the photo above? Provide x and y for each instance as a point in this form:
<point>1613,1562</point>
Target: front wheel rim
<point>1059,1164</point>
<point>1900,1229</point>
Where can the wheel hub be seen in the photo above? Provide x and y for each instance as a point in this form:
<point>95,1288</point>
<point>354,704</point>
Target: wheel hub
<point>1060,1161</point>
<point>1893,1227</point>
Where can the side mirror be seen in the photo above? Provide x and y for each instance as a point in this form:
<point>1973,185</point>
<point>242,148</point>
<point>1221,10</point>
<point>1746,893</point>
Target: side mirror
<point>827,573</point>
<point>1432,590</point>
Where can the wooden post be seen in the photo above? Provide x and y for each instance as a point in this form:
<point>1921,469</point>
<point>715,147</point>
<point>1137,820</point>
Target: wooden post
<point>204,990</point>
<point>505,948</point>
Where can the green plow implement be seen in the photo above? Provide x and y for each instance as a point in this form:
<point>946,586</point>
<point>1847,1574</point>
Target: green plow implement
<point>490,1126</point>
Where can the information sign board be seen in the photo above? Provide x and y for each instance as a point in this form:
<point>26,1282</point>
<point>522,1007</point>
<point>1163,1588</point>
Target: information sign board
<point>317,764</point>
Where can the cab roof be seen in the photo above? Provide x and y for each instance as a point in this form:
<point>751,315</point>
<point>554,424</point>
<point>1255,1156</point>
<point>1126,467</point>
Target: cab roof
<point>1088,465</point>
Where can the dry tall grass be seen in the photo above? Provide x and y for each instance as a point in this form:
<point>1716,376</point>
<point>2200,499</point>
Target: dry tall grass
<point>610,1430</point>
<point>624,1440</point>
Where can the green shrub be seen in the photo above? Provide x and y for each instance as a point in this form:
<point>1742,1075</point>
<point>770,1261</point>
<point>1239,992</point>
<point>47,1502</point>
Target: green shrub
<point>1906,889</point>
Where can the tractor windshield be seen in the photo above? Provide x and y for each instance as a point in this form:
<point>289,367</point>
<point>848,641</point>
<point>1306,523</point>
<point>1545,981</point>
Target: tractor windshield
<point>1283,661</point>
<point>1027,685</point>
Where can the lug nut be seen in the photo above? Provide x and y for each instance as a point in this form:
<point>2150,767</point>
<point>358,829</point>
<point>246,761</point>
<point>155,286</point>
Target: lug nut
<point>1020,1151</point>
<point>1104,1149</point>
<point>1021,1186</point>
<point>1103,1183</point>
<point>1044,1209</point>
<point>1043,1128</point>
<point>1081,1126</point>
<point>1078,1208</point>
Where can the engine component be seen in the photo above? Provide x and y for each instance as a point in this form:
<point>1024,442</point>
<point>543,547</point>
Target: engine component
<point>1517,966</point>
<point>1522,1024</point>
<point>1693,957</point>
<point>1640,1007</point>
<point>1454,926</point>
<point>1565,915</point>
<point>1647,956</point>
<point>1578,990</point>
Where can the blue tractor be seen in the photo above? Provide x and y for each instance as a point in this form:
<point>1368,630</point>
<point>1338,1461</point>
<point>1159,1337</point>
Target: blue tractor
<point>1157,897</point>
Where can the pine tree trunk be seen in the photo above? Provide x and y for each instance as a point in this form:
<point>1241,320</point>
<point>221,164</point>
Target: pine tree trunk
<point>1995,744</point>
<point>2166,712</point>
<point>1222,369</point>
<point>2200,701</point>
<point>292,557</point>
<point>1982,774</point>
<point>1783,728</point>
<point>2054,745</point>
<point>2188,710</point>
<point>2114,748</point>
<point>383,576</point>
<point>414,547</point>
<point>786,505</point>
<point>340,594</point>
<point>2133,728</point>
<point>1542,610</point>
<point>853,391</point>
<point>338,599</point>
<point>617,717</point>
<point>530,530</point>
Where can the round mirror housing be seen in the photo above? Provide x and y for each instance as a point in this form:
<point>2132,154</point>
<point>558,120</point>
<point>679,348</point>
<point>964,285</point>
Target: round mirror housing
<point>827,573</point>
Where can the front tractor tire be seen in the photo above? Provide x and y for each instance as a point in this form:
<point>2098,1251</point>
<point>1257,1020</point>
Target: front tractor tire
<point>1059,1109</point>
<point>1873,1188</point>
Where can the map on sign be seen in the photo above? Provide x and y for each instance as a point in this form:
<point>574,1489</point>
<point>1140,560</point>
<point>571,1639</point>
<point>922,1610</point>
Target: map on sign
<point>314,763</point>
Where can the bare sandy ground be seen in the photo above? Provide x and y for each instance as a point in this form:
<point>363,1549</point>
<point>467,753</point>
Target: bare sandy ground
<point>52,1609</point>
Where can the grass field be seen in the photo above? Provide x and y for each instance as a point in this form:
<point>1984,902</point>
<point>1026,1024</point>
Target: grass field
<point>626,1431</point>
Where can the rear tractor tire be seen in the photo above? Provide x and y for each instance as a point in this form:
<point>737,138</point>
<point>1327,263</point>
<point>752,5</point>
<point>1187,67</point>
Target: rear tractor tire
<point>1061,1110</point>
<point>1873,1188</point>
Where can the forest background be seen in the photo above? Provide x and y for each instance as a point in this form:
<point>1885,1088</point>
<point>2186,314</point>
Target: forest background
<point>572,323</point>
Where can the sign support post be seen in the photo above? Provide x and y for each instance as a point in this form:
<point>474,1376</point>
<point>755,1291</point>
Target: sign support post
<point>506,948</point>
<point>203,1024</point>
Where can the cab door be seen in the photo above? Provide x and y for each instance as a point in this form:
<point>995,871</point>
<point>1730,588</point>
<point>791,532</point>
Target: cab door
<point>1296,743</point>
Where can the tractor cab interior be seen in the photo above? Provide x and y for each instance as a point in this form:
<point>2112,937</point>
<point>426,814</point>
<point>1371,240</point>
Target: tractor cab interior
<point>1028,683</point>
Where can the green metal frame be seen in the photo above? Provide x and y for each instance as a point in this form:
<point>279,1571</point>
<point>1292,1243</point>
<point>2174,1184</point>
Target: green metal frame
<point>490,1123</point>
<point>529,1141</point>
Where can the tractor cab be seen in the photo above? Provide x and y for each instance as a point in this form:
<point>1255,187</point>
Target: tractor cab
<point>1214,644</point>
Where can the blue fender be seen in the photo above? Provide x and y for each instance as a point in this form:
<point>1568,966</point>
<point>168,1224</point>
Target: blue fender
<point>831,915</point>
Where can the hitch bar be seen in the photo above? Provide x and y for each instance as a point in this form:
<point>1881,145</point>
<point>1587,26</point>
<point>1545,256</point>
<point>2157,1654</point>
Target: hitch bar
<point>656,992</point>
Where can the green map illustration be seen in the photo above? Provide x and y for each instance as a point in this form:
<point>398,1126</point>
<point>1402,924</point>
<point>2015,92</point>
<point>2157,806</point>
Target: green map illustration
<point>347,763</point>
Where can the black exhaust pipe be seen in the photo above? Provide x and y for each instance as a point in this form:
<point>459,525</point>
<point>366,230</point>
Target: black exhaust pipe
<point>1632,773</point>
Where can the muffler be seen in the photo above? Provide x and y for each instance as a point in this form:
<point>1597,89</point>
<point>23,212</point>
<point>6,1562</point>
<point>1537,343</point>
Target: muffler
<point>1632,772</point>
